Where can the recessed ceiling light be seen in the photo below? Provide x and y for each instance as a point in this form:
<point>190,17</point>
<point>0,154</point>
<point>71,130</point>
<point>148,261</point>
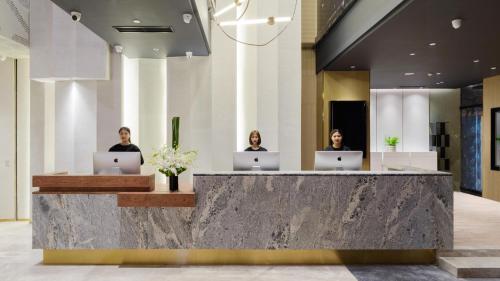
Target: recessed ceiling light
<point>412,54</point>
<point>136,21</point>
<point>429,74</point>
<point>438,73</point>
<point>352,66</point>
<point>493,68</point>
<point>432,44</point>
<point>156,49</point>
<point>475,61</point>
<point>409,73</point>
<point>437,83</point>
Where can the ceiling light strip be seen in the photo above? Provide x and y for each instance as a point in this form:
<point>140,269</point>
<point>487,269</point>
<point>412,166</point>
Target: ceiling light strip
<point>269,20</point>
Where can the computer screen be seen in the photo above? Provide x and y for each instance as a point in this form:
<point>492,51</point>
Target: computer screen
<point>116,163</point>
<point>256,161</point>
<point>338,160</point>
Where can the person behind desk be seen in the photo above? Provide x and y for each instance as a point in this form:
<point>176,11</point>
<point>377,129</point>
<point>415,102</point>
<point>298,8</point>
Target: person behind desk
<point>125,145</point>
<point>255,140</point>
<point>336,142</point>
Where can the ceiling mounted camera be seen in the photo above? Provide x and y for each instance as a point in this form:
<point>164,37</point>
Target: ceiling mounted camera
<point>76,16</point>
<point>456,23</point>
<point>187,17</point>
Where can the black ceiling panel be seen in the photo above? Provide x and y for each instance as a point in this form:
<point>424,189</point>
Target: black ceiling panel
<point>386,50</point>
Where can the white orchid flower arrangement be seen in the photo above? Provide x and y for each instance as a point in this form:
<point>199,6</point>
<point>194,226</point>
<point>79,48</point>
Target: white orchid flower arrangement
<point>170,160</point>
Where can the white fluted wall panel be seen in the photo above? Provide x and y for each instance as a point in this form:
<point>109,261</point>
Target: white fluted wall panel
<point>8,140</point>
<point>389,116</point>
<point>189,97</point>
<point>416,120</point>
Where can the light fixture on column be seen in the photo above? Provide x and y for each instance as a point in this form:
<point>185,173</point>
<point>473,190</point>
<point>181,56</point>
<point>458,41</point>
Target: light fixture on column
<point>228,14</point>
<point>3,58</point>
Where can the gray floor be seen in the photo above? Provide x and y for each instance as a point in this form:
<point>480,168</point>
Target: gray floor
<point>19,262</point>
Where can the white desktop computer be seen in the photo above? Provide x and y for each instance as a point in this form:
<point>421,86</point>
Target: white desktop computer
<point>256,161</point>
<point>117,163</point>
<point>338,160</point>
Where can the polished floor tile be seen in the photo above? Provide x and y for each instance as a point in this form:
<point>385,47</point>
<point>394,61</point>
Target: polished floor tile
<point>477,222</point>
<point>400,273</point>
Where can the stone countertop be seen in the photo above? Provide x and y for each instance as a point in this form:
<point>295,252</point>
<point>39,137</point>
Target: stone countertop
<point>321,173</point>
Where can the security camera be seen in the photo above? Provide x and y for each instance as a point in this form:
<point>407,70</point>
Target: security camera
<point>76,16</point>
<point>456,23</point>
<point>118,49</point>
<point>187,17</point>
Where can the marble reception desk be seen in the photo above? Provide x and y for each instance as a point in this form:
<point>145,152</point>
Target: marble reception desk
<point>362,210</point>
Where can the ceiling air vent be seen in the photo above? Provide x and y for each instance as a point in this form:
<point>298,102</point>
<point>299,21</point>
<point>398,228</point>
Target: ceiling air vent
<point>143,29</point>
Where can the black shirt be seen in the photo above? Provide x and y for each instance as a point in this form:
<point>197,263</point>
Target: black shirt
<point>342,148</point>
<point>251,149</point>
<point>126,148</point>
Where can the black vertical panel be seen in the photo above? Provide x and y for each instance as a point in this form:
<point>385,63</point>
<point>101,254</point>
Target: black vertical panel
<point>350,118</point>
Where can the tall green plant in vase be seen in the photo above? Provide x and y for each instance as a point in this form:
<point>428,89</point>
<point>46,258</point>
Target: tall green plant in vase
<point>170,160</point>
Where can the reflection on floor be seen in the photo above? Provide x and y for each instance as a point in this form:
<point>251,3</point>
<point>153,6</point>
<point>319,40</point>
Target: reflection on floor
<point>400,273</point>
<point>477,226</point>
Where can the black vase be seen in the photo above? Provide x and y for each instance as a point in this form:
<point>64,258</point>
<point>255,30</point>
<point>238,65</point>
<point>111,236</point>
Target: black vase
<point>173,183</point>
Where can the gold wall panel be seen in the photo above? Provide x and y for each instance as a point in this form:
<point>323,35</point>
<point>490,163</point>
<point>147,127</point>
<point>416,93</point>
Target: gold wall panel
<point>491,99</point>
<point>346,86</point>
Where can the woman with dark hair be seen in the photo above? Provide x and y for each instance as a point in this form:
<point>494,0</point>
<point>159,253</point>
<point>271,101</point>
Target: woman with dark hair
<point>125,145</point>
<point>255,140</point>
<point>336,143</point>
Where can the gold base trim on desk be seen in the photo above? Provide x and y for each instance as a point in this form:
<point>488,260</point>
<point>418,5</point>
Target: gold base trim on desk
<point>14,220</point>
<point>236,257</point>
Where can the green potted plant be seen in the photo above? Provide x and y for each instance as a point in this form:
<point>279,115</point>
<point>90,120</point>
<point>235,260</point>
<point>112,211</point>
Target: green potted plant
<point>390,143</point>
<point>170,160</point>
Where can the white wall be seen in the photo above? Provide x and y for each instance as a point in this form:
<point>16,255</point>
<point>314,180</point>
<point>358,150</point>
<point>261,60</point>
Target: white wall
<point>415,120</point>
<point>189,97</point>
<point>130,95</point>
<point>269,83</point>
<point>23,140</point>
<point>152,110</point>
<point>109,106</point>
<point>289,77</point>
<point>75,125</point>
<point>223,71</point>
<point>8,140</point>
<point>144,106</point>
<point>400,113</point>
<point>61,49</point>
<point>42,126</point>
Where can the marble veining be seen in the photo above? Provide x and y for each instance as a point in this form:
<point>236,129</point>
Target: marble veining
<point>248,211</point>
<point>75,221</point>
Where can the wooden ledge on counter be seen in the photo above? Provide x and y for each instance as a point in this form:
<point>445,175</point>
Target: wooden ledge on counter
<point>63,182</point>
<point>156,199</point>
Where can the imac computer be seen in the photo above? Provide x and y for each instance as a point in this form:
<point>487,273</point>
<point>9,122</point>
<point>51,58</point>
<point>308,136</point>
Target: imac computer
<point>117,163</point>
<point>256,161</point>
<point>338,160</point>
